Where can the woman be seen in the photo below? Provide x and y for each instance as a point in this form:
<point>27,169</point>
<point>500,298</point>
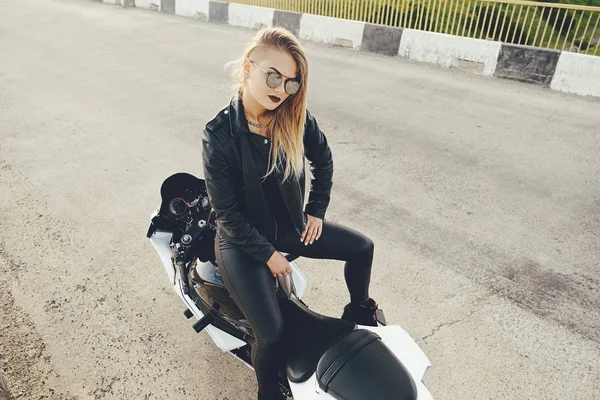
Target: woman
<point>253,155</point>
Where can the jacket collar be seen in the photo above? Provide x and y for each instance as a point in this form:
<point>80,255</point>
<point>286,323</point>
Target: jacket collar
<point>237,117</point>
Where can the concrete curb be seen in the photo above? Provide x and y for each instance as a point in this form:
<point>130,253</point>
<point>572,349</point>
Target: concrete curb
<point>218,12</point>
<point>191,8</point>
<point>167,6</point>
<point>527,64</point>
<point>288,20</point>
<point>561,71</point>
<point>250,17</point>
<point>577,73</point>
<point>381,39</point>
<point>148,4</point>
<point>473,55</point>
<point>334,31</point>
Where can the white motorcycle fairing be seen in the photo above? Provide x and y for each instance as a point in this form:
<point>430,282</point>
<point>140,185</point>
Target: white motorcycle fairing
<point>393,336</point>
<point>403,347</point>
<point>161,241</point>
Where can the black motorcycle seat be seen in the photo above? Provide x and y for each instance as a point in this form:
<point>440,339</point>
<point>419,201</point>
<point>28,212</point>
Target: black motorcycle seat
<point>361,353</point>
<point>308,335</point>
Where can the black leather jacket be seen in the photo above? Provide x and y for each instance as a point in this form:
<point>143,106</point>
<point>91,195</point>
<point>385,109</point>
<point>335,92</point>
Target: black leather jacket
<point>233,183</point>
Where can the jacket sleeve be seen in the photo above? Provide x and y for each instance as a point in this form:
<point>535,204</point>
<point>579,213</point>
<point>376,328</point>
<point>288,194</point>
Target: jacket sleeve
<point>234,226</point>
<point>319,156</point>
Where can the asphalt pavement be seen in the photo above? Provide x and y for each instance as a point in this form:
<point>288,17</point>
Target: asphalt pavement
<point>481,195</point>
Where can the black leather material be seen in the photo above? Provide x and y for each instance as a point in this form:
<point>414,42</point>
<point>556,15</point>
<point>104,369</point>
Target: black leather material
<point>359,366</point>
<point>233,188</point>
<point>308,335</point>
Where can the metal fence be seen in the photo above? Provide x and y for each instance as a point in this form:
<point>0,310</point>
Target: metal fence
<point>568,27</point>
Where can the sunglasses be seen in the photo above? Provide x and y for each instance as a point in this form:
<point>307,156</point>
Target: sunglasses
<point>274,79</point>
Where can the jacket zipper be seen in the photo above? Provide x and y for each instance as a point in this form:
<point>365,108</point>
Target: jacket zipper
<point>268,167</point>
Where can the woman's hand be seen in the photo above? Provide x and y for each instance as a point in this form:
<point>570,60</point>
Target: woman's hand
<point>279,265</point>
<point>312,230</point>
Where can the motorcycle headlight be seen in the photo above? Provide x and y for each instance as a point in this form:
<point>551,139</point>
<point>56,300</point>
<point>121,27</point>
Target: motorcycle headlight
<point>426,379</point>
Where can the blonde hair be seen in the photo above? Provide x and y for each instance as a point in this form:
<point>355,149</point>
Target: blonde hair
<point>286,122</point>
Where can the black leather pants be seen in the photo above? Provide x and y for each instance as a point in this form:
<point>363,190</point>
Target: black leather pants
<point>253,287</point>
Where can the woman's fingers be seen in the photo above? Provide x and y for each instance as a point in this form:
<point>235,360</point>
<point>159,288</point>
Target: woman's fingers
<point>320,230</point>
<point>304,233</point>
<point>282,274</point>
<point>314,234</point>
<point>312,231</point>
<point>310,235</point>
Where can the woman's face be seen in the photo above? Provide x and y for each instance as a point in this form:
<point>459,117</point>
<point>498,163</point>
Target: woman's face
<point>270,60</point>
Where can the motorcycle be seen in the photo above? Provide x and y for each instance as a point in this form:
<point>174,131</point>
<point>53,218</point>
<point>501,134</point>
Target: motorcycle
<point>325,359</point>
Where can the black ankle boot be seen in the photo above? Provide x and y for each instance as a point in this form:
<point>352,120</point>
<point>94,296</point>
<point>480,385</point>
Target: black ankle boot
<point>361,314</point>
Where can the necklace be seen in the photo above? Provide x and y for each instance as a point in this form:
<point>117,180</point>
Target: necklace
<point>256,124</point>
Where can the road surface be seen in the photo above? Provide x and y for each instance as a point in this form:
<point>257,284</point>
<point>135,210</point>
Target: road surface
<point>481,195</point>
